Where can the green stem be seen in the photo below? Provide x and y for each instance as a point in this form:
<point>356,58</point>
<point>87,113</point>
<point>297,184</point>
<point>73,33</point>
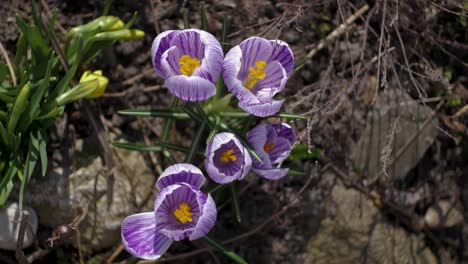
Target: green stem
<point>165,135</point>
<point>230,254</point>
<point>235,201</point>
<point>195,143</point>
<point>217,188</point>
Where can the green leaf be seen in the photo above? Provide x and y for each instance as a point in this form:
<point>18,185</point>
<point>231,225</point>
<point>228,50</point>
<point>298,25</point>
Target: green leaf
<point>34,38</point>
<point>42,152</point>
<point>31,158</point>
<point>301,151</point>
<point>195,143</point>
<point>20,105</point>
<point>204,20</point>
<point>185,19</point>
<point>235,202</point>
<point>229,253</point>
<point>21,46</point>
<point>143,147</point>
<point>295,173</point>
<point>50,28</point>
<point>107,6</point>
<point>3,72</point>
<point>224,30</point>
<point>5,192</point>
<point>175,113</point>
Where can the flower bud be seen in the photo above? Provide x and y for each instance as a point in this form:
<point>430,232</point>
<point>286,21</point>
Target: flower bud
<point>92,85</point>
<point>102,82</point>
<point>121,34</point>
<point>100,24</point>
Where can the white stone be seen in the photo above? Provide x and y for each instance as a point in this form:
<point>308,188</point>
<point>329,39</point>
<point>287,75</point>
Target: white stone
<point>10,225</point>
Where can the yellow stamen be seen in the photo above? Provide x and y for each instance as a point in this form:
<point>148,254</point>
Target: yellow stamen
<point>183,214</point>
<point>188,65</point>
<point>255,74</point>
<point>268,147</point>
<point>228,155</point>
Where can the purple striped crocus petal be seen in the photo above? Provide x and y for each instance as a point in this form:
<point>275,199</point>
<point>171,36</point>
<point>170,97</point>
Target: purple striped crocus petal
<point>271,174</point>
<point>182,172</point>
<point>253,49</point>
<point>274,82</point>
<point>232,170</point>
<point>286,131</point>
<point>207,219</point>
<point>231,68</point>
<point>283,54</point>
<point>191,88</point>
<point>280,151</point>
<point>170,62</point>
<point>160,44</point>
<point>140,238</point>
<point>212,63</point>
<point>262,109</point>
<point>189,43</point>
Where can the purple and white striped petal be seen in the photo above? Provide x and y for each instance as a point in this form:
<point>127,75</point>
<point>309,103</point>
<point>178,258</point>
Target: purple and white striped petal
<point>212,64</point>
<point>283,54</point>
<point>253,49</point>
<point>286,131</point>
<point>160,44</point>
<point>226,159</point>
<point>274,82</point>
<point>262,109</point>
<point>271,174</point>
<point>171,199</point>
<point>190,61</point>
<point>280,151</point>
<point>181,172</point>
<point>140,238</point>
<point>207,219</point>
<point>191,88</point>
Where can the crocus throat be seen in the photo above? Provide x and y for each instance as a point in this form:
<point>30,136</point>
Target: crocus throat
<point>228,155</point>
<point>255,74</point>
<point>188,65</point>
<point>183,213</point>
<point>268,147</point>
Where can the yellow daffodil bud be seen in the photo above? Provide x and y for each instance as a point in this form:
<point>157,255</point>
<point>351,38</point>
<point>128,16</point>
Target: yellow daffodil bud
<point>102,82</point>
<point>92,85</point>
<point>121,34</point>
<point>100,24</point>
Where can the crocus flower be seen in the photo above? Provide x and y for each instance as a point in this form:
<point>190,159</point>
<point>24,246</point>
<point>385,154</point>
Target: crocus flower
<point>190,61</point>
<point>226,159</point>
<point>273,143</point>
<point>255,71</point>
<point>181,210</point>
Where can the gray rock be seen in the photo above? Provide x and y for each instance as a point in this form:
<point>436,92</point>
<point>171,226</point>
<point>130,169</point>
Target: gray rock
<point>357,232</point>
<point>397,135</point>
<point>57,196</point>
<point>10,223</point>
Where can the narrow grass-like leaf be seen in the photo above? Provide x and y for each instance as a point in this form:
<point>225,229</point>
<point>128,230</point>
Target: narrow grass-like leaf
<point>21,47</point>
<point>301,151</point>
<point>137,147</point>
<point>204,20</point>
<point>19,106</point>
<point>131,21</point>
<point>224,30</point>
<point>295,173</point>
<point>214,131</point>
<point>166,113</point>
<point>42,152</point>
<point>235,202</point>
<point>3,72</point>
<point>217,188</point>
<point>50,26</point>
<point>5,192</point>
<point>242,114</point>
<point>185,19</point>
<point>192,114</point>
<point>195,143</point>
<point>107,6</point>
<point>228,253</point>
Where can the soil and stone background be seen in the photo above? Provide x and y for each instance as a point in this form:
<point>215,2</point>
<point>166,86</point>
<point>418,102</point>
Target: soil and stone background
<point>384,88</point>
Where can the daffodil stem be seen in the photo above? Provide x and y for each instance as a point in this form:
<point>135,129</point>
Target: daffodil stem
<point>230,254</point>
<point>235,202</point>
